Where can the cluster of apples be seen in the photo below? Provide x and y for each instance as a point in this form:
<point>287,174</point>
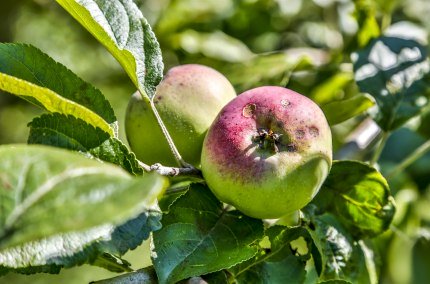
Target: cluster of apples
<point>266,151</point>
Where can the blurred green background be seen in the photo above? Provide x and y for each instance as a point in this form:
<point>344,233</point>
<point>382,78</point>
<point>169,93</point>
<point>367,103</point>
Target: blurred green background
<point>302,44</point>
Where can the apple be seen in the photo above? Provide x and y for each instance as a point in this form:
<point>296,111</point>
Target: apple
<point>188,99</point>
<point>268,152</point>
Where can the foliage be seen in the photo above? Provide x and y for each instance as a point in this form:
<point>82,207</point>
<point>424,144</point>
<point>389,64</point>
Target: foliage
<point>92,201</point>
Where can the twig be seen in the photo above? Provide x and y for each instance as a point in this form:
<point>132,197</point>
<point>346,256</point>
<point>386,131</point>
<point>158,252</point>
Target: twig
<point>172,171</point>
<point>146,168</point>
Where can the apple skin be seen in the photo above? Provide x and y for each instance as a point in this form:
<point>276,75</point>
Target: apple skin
<point>188,99</point>
<point>268,152</point>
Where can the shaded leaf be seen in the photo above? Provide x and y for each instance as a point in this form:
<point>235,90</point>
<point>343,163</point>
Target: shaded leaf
<point>120,26</point>
<point>359,195</point>
<point>218,277</point>
<point>47,191</point>
<point>199,237</point>
<point>395,71</point>
<point>75,134</point>
<point>142,276</point>
<point>281,263</point>
<point>421,258</point>
<point>172,194</point>
<point>335,281</point>
<point>112,263</point>
<point>32,75</point>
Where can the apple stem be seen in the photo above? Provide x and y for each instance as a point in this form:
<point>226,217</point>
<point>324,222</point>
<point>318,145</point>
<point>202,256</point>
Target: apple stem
<point>169,139</point>
<point>166,134</point>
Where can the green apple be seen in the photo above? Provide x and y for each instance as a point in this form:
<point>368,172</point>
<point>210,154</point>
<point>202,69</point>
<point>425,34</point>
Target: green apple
<point>268,152</point>
<point>188,99</point>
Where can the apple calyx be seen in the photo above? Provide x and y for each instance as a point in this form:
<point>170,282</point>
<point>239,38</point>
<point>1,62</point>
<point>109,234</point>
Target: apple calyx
<point>267,139</point>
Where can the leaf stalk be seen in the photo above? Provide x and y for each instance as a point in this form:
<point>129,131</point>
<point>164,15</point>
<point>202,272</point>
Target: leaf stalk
<point>418,153</point>
<point>379,148</point>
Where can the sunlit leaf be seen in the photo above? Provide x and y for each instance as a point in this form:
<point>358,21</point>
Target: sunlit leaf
<point>75,134</point>
<point>90,246</point>
<point>339,111</point>
<point>340,257</point>
<point>331,89</point>
<point>120,26</point>
<point>365,13</point>
<point>47,191</point>
<point>359,195</point>
<point>339,100</point>
<point>32,75</point>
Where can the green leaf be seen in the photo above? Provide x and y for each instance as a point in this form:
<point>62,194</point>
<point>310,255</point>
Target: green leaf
<point>199,237</point>
<point>47,191</point>
<point>75,134</point>
<point>339,99</point>
<point>178,15</point>
<point>359,195</point>
<point>172,194</point>
<point>120,26</point>
<point>331,89</point>
<point>65,132</point>
<point>281,263</point>
<point>339,111</point>
<point>112,263</point>
<point>340,256</point>
<point>370,261</point>
<point>271,69</point>
<point>207,44</point>
<point>218,277</point>
<point>421,258</point>
<point>365,14</point>
<point>76,248</point>
<point>142,276</point>
<point>395,71</point>
<point>130,235</point>
<point>114,151</point>
<point>32,75</point>
<point>336,281</point>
